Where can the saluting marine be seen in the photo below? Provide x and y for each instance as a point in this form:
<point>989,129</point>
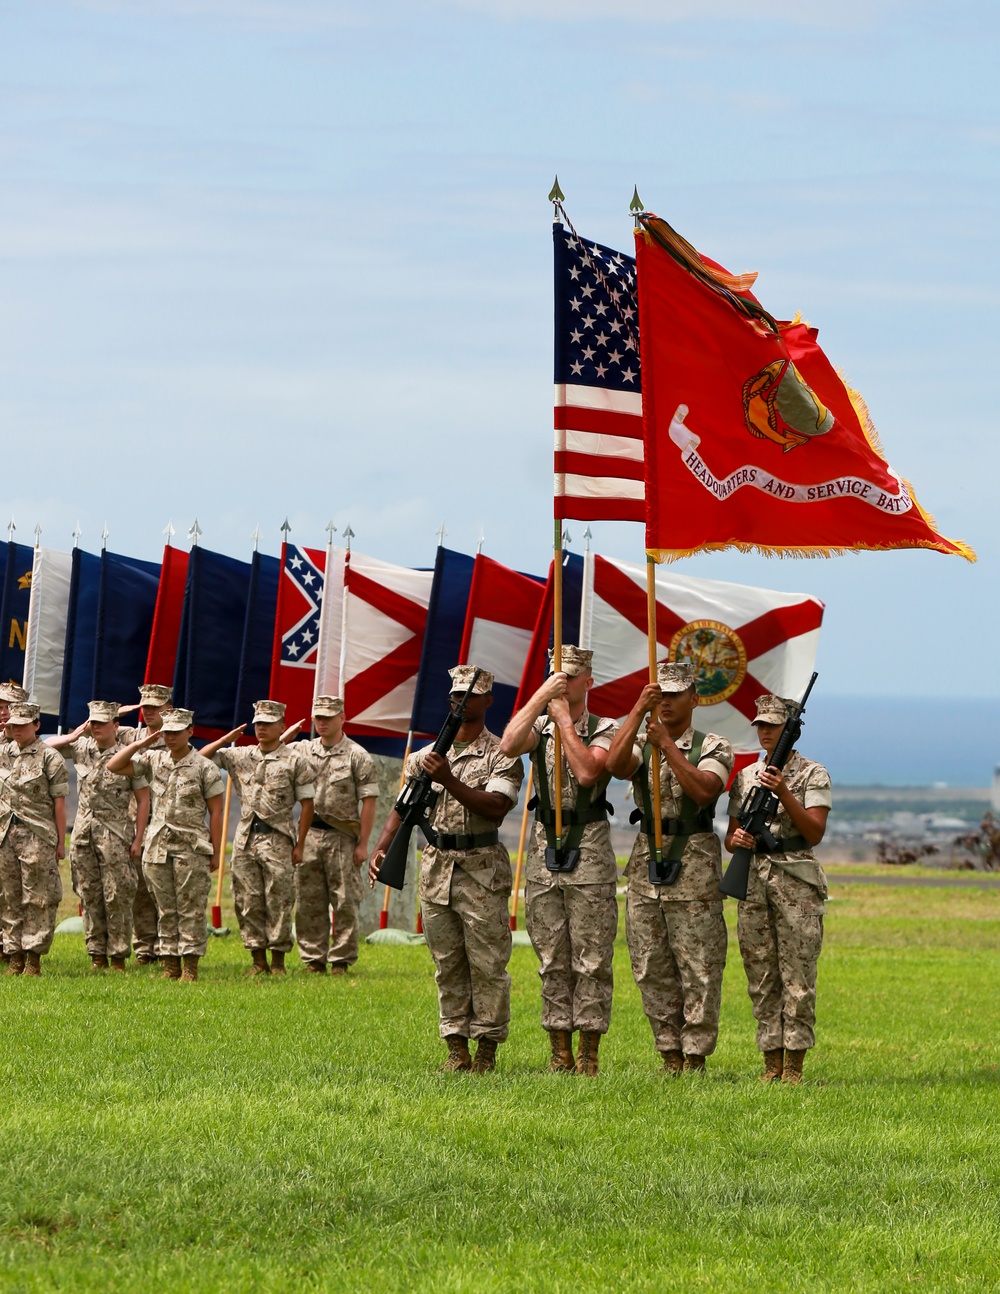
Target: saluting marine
<point>34,781</point>
<point>570,904</point>
<point>674,922</point>
<point>180,854</point>
<point>105,848</point>
<point>780,923</point>
<point>465,878</point>
<point>336,844</point>
<point>271,779</point>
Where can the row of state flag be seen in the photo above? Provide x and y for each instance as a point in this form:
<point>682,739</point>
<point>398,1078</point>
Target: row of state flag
<point>226,632</point>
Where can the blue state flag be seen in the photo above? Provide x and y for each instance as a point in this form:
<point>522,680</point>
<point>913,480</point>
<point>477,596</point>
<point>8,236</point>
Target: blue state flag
<point>442,638</point>
<point>14,610</point>
<point>254,678</point>
<point>211,639</point>
<point>126,602</point>
<point>81,635</point>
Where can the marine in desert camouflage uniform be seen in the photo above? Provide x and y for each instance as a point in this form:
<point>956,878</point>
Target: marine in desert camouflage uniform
<point>780,923</point>
<point>154,699</point>
<point>329,877</point>
<point>271,778</point>
<point>180,854</point>
<point>10,694</point>
<point>676,932</point>
<point>571,915</point>
<point>465,879</point>
<point>106,845</point>
<point>34,781</point>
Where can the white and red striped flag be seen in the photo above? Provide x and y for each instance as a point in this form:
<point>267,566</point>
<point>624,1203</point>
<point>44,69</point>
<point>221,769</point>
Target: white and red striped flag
<point>598,389</point>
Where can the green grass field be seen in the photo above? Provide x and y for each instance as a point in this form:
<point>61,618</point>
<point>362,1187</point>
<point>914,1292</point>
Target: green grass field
<point>295,1135</point>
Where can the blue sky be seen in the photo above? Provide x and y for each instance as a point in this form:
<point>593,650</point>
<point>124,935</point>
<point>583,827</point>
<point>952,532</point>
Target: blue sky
<point>292,258</point>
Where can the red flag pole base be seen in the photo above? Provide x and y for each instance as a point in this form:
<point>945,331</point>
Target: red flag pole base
<point>513,921</point>
<point>79,909</point>
<point>420,922</point>
<point>383,920</point>
<point>216,917</point>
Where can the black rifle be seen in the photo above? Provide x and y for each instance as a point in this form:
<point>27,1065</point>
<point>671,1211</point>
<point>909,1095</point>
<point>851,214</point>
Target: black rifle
<point>760,805</point>
<point>416,803</point>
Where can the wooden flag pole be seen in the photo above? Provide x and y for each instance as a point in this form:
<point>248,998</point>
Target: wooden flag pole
<point>217,906</point>
<point>557,600</point>
<point>520,845</point>
<point>654,764</point>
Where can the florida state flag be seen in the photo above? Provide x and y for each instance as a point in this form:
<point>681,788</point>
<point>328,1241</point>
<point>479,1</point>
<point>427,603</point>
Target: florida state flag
<point>752,439</point>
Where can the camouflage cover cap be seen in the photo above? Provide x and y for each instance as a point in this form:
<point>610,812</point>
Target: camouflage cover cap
<point>327,707</point>
<point>675,675</point>
<point>771,709</point>
<point>268,712</point>
<point>24,712</point>
<point>177,720</point>
<point>155,694</point>
<point>10,692</point>
<point>575,661</point>
<point>103,711</point>
<point>461,677</point>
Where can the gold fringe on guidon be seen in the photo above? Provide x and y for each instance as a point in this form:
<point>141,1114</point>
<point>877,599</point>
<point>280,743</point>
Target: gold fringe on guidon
<point>957,547</point>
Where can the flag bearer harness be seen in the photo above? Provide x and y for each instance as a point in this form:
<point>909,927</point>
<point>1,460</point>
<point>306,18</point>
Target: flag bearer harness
<point>680,830</point>
<point>591,806</point>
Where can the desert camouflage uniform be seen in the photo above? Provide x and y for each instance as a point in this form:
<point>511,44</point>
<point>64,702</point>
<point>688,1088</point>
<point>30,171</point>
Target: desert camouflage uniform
<point>464,895</point>
<point>102,870</point>
<point>327,877</point>
<point>263,875</point>
<point>144,921</point>
<point>572,917</point>
<point>30,885</point>
<point>177,853</point>
<point>677,933</point>
<point>780,923</point>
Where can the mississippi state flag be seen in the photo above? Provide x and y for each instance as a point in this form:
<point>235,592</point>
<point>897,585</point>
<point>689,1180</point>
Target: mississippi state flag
<point>742,641</point>
<point>296,630</point>
<point>499,626</point>
<point>373,635</point>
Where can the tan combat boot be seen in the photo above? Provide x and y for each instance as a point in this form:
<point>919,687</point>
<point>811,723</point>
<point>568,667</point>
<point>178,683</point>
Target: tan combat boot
<point>694,1064</point>
<point>277,962</point>
<point>190,971</point>
<point>316,968</point>
<point>486,1056</point>
<point>144,959</point>
<point>171,966</point>
<point>773,1064</point>
<point>792,1072</point>
<point>338,968</point>
<point>260,966</point>
<point>673,1063</point>
<point>586,1061</point>
<point>99,962</point>
<point>562,1062</point>
<point>118,964</point>
<point>459,1061</point>
<point>32,964</point>
<point>16,966</point>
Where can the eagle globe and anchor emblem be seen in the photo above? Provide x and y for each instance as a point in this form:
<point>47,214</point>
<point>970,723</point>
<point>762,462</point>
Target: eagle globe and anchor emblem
<point>717,654</point>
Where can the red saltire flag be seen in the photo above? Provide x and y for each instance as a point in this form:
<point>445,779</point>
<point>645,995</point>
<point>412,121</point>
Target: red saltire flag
<point>500,621</point>
<point>161,658</point>
<point>743,641</point>
<point>752,438</point>
<point>296,630</point>
<point>373,635</point>
<point>536,665</point>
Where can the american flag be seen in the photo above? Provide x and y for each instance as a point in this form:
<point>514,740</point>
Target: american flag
<point>598,395</point>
